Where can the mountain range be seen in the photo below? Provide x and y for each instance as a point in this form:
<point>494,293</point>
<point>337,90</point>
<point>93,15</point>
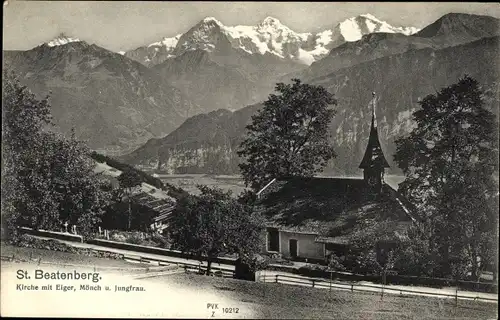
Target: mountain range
<point>268,37</point>
<point>401,69</point>
<point>114,103</point>
<point>181,104</point>
<point>129,97</point>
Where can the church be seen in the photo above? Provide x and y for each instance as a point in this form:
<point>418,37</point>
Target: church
<point>308,218</point>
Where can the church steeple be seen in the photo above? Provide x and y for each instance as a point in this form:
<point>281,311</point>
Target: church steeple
<point>374,162</point>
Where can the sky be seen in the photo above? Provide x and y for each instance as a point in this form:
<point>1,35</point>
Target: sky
<point>122,26</point>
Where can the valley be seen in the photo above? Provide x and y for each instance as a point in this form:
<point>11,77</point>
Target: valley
<point>233,183</point>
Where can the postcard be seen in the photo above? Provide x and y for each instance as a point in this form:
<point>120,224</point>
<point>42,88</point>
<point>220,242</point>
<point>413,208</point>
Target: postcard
<point>250,160</point>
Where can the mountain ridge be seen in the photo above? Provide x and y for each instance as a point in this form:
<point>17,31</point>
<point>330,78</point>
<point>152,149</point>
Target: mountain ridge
<point>123,103</point>
<point>188,151</point>
<point>268,36</point>
<point>466,28</point>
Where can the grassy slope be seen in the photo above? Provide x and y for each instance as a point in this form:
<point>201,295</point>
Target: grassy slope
<point>284,301</point>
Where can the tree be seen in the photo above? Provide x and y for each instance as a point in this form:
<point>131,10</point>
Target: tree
<point>50,178</point>
<point>128,180</point>
<point>213,224</point>
<point>24,117</point>
<point>289,136</point>
<point>449,161</point>
<point>81,198</point>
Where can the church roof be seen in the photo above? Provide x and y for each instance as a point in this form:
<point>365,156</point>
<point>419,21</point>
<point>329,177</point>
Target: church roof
<point>374,156</point>
<point>334,207</point>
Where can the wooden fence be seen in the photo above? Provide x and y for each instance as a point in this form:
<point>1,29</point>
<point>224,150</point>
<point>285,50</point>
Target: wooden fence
<point>325,284</point>
<point>394,279</point>
<point>189,267</point>
<point>226,272</point>
<point>320,274</point>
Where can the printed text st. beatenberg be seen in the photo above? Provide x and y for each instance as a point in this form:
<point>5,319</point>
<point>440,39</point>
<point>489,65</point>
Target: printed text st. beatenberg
<point>94,277</point>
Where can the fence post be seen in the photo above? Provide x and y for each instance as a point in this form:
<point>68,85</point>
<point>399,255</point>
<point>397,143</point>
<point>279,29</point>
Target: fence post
<point>277,278</point>
<point>383,284</point>
<point>264,286</point>
<point>331,275</point>
<point>352,287</point>
<point>313,281</point>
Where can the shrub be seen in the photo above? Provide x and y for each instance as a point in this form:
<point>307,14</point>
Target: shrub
<point>336,263</point>
<point>28,241</point>
<point>118,237</point>
<point>160,241</point>
<point>135,238</point>
<point>366,263</point>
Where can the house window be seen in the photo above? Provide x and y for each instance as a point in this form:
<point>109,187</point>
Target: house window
<point>273,239</point>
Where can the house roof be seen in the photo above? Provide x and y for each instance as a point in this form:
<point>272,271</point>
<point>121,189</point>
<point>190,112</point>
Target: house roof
<point>163,207</point>
<point>334,208</point>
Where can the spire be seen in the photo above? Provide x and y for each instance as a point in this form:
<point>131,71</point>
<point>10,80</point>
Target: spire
<point>374,156</point>
<point>374,103</point>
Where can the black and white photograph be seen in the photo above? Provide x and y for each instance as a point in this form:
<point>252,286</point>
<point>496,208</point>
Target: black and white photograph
<point>250,160</point>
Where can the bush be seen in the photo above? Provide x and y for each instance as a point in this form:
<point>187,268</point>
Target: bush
<point>135,238</point>
<point>141,238</point>
<point>336,263</point>
<point>160,241</point>
<point>118,237</point>
<point>28,241</point>
<point>366,263</point>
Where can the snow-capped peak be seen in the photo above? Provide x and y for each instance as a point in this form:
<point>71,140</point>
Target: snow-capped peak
<point>212,19</point>
<point>370,16</point>
<point>62,39</point>
<point>274,26</point>
<point>167,42</point>
<point>270,36</point>
<point>270,21</point>
<point>354,28</point>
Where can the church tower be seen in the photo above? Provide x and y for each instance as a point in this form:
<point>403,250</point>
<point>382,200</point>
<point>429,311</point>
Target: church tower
<point>374,162</point>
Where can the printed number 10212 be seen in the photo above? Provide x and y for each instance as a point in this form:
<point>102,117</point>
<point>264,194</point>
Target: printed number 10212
<point>230,310</point>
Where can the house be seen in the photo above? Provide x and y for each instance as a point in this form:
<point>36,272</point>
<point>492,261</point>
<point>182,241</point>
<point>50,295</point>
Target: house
<point>160,222</point>
<point>160,208</point>
<point>155,204</point>
<point>308,218</point>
